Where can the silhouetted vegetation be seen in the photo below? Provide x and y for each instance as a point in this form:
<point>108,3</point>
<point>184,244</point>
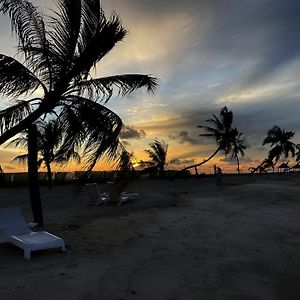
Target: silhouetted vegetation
<point>158,157</point>
<point>50,137</point>
<point>59,53</point>
<point>227,138</point>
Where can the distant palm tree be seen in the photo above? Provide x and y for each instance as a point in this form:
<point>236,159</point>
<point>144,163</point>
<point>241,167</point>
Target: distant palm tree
<point>158,155</point>
<point>280,141</point>
<point>222,132</point>
<point>263,166</point>
<point>238,147</point>
<point>125,163</point>
<point>50,136</point>
<point>59,53</point>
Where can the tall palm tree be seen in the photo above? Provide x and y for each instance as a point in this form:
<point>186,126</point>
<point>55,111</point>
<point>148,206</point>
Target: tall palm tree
<point>158,155</point>
<point>280,141</point>
<point>50,137</point>
<point>59,53</point>
<point>221,131</point>
<point>238,147</point>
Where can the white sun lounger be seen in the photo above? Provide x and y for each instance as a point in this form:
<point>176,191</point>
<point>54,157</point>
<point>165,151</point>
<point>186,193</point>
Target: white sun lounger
<point>127,197</point>
<point>17,232</point>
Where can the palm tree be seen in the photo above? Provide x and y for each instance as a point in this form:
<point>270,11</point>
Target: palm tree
<point>238,147</point>
<point>222,132</point>
<point>265,164</point>
<point>125,163</point>
<point>158,155</point>
<point>59,53</point>
<point>280,141</point>
<point>50,137</point>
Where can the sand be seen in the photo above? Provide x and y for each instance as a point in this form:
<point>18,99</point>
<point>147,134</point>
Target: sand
<point>183,239</point>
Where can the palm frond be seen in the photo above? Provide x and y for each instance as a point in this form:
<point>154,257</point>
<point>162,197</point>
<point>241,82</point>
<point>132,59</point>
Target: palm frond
<point>26,21</point>
<point>92,126</point>
<point>100,42</point>
<point>19,142</point>
<point>124,84</point>
<point>15,78</point>
<point>21,159</point>
<point>13,115</point>
<point>65,31</point>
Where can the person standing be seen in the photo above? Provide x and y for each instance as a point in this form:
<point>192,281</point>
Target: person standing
<point>219,176</point>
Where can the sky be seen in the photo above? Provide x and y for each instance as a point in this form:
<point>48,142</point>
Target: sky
<point>207,54</point>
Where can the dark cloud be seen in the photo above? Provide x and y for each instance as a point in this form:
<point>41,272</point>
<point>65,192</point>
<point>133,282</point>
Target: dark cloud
<point>179,161</point>
<point>129,132</point>
<point>230,160</point>
<point>259,35</point>
<point>184,137</point>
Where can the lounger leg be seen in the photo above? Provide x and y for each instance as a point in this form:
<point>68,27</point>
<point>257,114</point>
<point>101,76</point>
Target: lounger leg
<point>27,253</point>
<point>63,247</point>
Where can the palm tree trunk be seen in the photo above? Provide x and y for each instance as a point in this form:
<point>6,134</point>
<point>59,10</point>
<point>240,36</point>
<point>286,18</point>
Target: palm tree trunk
<point>203,162</point>
<point>34,191</point>
<point>257,168</point>
<point>238,164</point>
<point>49,175</point>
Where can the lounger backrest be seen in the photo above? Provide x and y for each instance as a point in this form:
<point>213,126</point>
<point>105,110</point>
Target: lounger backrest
<point>12,222</point>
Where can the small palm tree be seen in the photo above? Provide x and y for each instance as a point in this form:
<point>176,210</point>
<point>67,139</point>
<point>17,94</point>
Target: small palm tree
<point>222,132</point>
<point>280,141</point>
<point>158,155</point>
<point>50,137</point>
<point>238,147</point>
<point>125,163</point>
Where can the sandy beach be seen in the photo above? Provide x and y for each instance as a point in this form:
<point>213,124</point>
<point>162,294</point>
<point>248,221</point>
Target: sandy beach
<point>183,239</point>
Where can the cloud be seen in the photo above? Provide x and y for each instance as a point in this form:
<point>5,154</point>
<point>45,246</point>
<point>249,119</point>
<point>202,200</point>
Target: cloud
<point>179,161</point>
<point>129,132</point>
<point>232,161</point>
<point>184,137</point>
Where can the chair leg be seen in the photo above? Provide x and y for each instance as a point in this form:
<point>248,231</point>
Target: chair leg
<point>27,253</point>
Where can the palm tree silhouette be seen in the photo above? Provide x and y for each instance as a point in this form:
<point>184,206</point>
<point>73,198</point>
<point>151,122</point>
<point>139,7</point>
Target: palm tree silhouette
<point>280,141</point>
<point>222,132</point>
<point>238,147</point>
<point>158,155</point>
<point>125,163</point>
<point>50,137</point>
<point>59,53</point>
<point>263,166</point>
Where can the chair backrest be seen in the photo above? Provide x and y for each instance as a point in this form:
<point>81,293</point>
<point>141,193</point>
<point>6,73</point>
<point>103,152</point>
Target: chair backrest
<point>12,222</point>
<point>93,191</point>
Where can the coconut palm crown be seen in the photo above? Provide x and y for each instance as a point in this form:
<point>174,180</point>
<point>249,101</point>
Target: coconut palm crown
<point>222,132</point>
<point>158,156</point>
<point>280,143</point>
<point>59,52</point>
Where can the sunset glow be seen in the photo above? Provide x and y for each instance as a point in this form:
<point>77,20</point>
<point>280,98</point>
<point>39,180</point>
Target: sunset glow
<point>246,59</point>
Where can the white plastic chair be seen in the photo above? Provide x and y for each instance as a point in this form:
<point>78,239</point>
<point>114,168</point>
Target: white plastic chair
<point>17,232</point>
<point>95,196</point>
